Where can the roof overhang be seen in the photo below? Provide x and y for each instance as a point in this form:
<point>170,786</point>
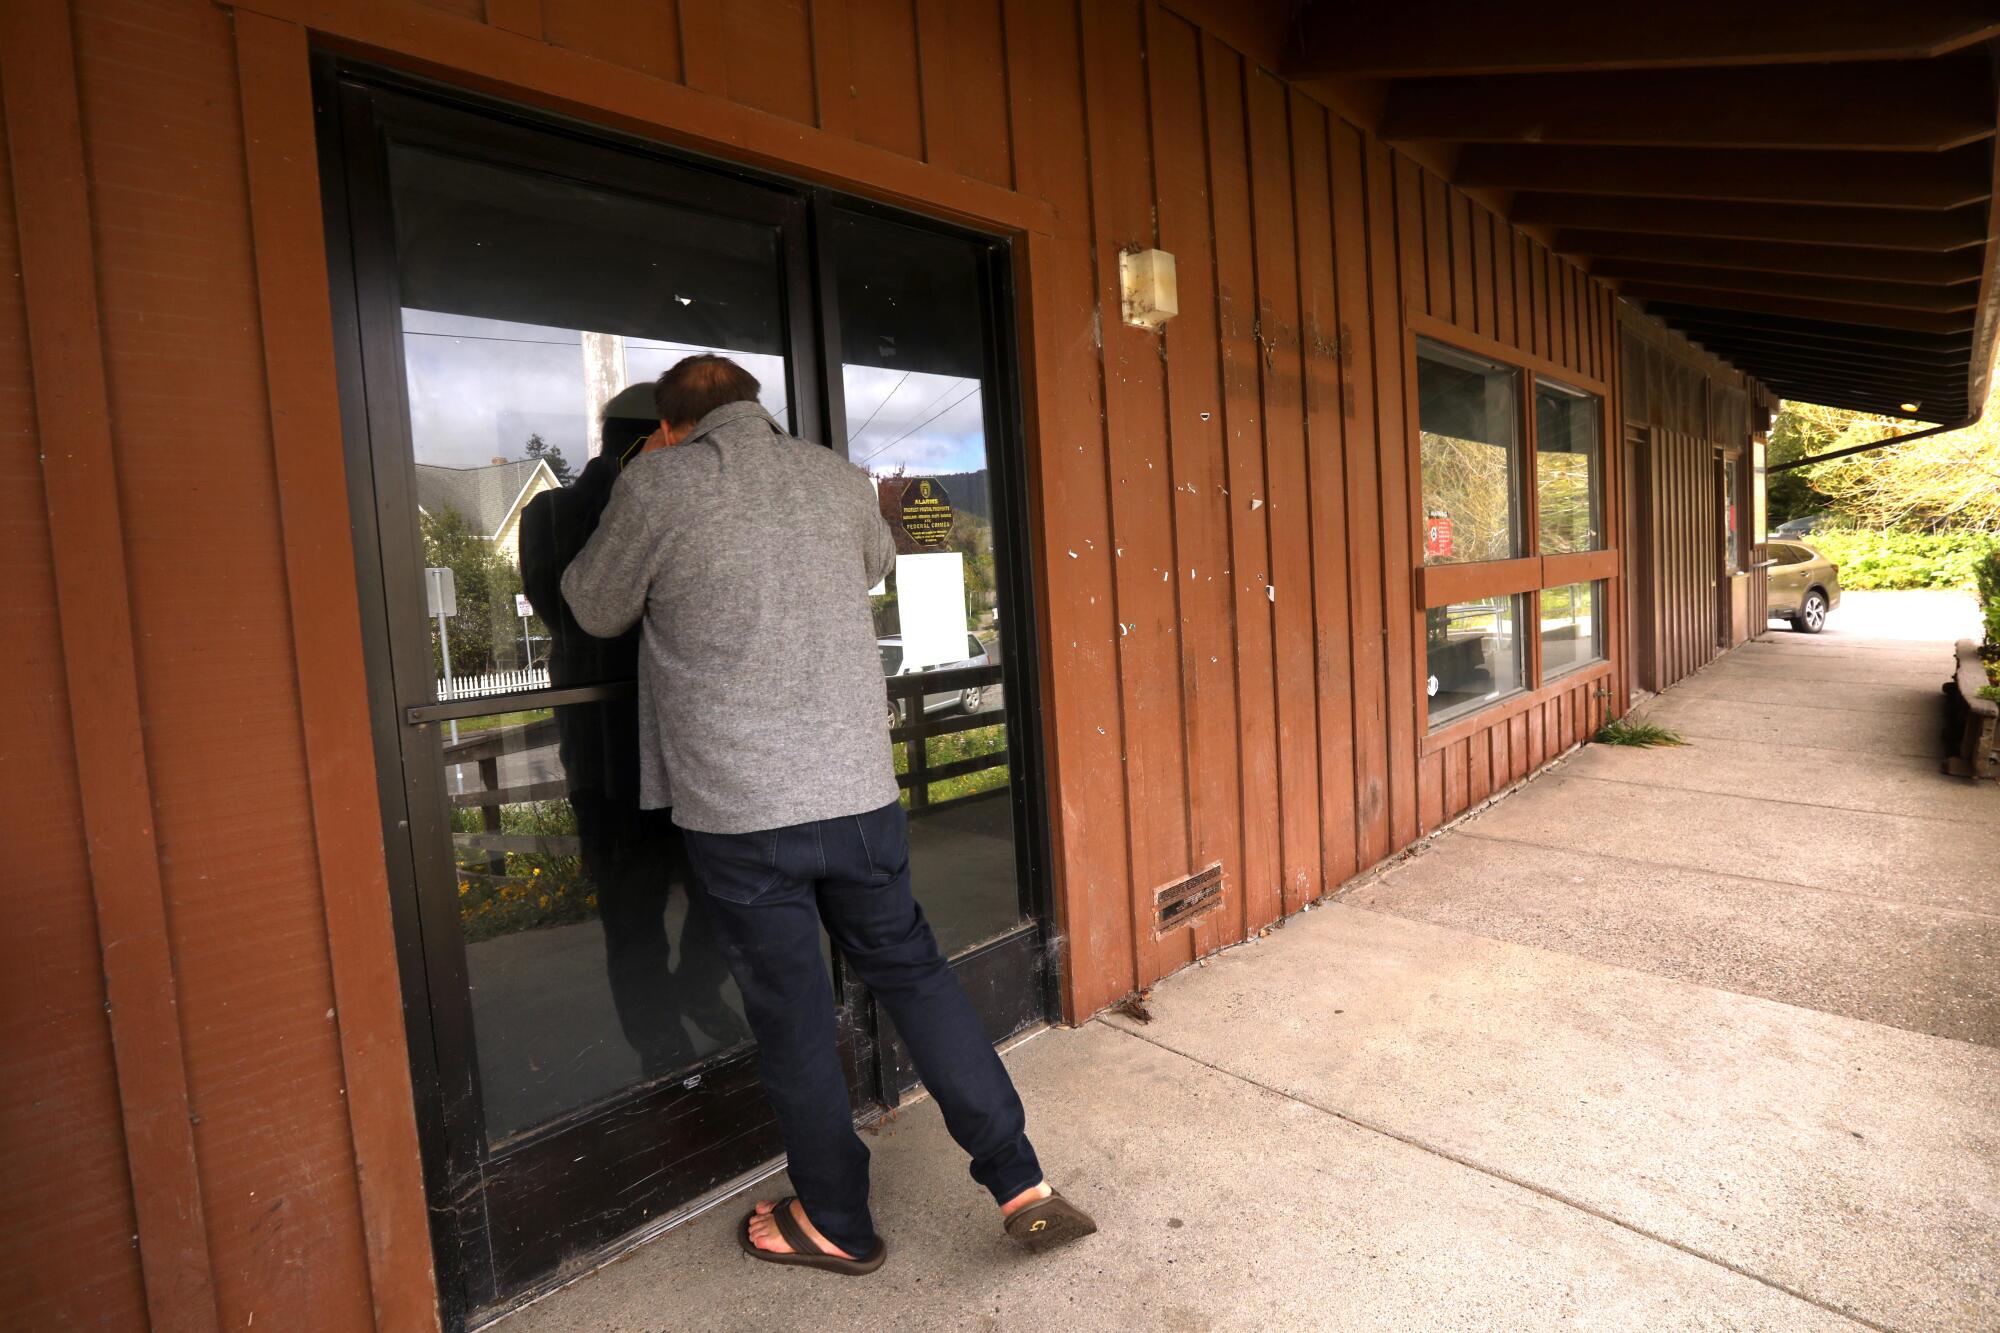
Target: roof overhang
<point>1805,188</point>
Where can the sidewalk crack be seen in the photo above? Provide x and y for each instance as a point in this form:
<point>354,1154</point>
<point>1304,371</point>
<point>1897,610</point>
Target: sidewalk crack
<point>1877,898</point>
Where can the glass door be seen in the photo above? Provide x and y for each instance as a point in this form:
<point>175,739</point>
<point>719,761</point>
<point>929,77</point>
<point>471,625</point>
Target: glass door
<point>588,1067</point>
<point>925,408</point>
<point>507,291</point>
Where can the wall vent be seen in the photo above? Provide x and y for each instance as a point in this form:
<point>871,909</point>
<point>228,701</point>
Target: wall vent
<point>1186,901</point>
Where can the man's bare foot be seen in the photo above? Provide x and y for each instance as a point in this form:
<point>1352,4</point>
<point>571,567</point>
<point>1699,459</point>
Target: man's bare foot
<point>764,1233</point>
<point>1033,1194</point>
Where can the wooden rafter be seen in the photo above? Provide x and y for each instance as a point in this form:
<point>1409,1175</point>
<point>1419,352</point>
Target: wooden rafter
<point>1857,291</point>
<point>1921,321</point>
<point>1823,356</point>
<point>1787,325</point>
<point>1920,266</point>
<point>1938,104</point>
<point>1480,37</point>
<point>1754,175</point>
<point>1807,188</point>
<point>1889,228</point>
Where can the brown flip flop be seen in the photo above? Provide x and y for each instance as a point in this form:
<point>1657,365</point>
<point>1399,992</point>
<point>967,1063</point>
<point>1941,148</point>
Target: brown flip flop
<point>804,1253</point>
<point>1052,1222</point>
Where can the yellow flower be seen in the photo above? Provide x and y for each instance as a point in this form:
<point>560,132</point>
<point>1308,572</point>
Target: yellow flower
<point>538,870</point>
<point>545,900</point>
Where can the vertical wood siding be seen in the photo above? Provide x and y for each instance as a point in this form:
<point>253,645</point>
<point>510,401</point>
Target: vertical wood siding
<point>1683,406</point>
<point>68,1260</point>
<point>1227,532</point>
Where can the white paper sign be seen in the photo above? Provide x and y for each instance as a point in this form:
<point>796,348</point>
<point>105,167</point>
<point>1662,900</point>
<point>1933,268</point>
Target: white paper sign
<point>930,598</point>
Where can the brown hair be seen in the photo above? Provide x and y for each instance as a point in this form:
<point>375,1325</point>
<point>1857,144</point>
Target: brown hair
<point>693,387</point>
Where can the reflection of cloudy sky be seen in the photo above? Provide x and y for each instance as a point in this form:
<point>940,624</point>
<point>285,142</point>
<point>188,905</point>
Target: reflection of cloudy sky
<point>479,387</point>
<point>920,423</point>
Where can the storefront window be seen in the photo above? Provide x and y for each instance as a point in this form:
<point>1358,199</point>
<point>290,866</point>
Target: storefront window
<point>1466,412</point>
<point>1474,655</point>
<point>1572,634</point>
<point>1730,563</point>
<point>1567,476</point>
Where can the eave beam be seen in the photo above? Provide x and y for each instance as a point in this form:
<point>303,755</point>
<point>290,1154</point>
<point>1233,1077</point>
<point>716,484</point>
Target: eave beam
<point>1868,180</point>
<point>1938,104</point>
<point>1480,37</point>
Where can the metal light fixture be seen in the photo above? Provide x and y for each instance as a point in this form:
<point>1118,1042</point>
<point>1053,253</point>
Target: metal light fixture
<point>1911,407</point>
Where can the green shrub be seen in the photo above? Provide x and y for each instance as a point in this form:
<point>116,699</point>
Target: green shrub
<point>1900,559</point>
<point>942,750</point>
<point>1986,577</point>
<point>1641,735</point>
<point>500,893</point>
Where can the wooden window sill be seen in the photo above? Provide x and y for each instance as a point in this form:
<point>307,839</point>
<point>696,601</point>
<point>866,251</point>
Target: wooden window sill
<point>1514,705</point>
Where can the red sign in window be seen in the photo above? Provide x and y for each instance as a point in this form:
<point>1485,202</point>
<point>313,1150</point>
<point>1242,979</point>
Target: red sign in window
<point>1437,535</point>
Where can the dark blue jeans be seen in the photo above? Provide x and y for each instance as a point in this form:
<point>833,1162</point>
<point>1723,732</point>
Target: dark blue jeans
<point>768,893</point>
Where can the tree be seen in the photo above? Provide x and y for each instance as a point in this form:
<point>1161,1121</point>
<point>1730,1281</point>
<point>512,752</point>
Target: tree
<point>486,633</point>
<point>1942,481</point>
<point>548,453</point>
<point>1465,481</point>
<point>1797,433</point>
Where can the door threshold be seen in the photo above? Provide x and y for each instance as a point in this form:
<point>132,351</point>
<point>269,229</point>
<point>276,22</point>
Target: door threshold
<point>632,1241</point>
<point>624,1246</point>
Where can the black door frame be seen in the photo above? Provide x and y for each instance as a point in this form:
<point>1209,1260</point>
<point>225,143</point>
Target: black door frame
<point>492,1207</point>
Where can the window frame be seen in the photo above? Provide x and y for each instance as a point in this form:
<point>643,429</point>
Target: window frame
<point>1439,585</point>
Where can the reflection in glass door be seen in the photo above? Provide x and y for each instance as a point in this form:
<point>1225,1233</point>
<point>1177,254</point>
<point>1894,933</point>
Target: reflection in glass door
<point>532,326</point>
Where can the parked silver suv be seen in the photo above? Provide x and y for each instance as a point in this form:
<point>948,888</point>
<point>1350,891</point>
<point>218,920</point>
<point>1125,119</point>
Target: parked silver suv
<point>1805,585</point>
<point>967,699</point>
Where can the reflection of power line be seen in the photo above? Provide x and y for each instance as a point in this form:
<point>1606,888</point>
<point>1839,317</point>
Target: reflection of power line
<point>950,384</point>
<point>925,422</point>
<point>633,344</point>
<point>855,438</point>
<point>491,338</point>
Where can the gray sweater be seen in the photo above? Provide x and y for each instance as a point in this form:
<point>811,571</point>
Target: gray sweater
<point>749,554</point>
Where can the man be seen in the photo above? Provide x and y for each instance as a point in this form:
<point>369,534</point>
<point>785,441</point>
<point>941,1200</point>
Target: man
<point>748,555</point>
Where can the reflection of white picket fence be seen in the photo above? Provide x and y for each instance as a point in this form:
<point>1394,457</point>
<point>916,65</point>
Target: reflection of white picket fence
<point>493,682</point>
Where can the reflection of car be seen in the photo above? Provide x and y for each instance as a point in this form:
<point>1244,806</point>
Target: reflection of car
<point>1805,585</point>
<point>967,699</point>
<point>1799,527</point>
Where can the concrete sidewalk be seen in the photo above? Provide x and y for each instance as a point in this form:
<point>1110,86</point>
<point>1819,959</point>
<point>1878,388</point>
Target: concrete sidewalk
<point>1696,1038</point>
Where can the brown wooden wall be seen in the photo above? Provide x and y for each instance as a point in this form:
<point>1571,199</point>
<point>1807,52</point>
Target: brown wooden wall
<point>1687,408</point>
<point>1226,537</point>
<point>67,1222</point>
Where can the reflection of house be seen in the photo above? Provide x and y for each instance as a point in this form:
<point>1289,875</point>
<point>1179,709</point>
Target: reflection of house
<point>490,498</point>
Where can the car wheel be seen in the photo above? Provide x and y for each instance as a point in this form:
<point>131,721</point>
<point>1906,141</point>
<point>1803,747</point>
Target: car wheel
<point>895,715</point>
<point>970,699</point>
<point>1812,613</point>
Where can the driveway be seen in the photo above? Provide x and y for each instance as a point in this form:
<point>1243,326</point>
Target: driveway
<point>1664,1039</point>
